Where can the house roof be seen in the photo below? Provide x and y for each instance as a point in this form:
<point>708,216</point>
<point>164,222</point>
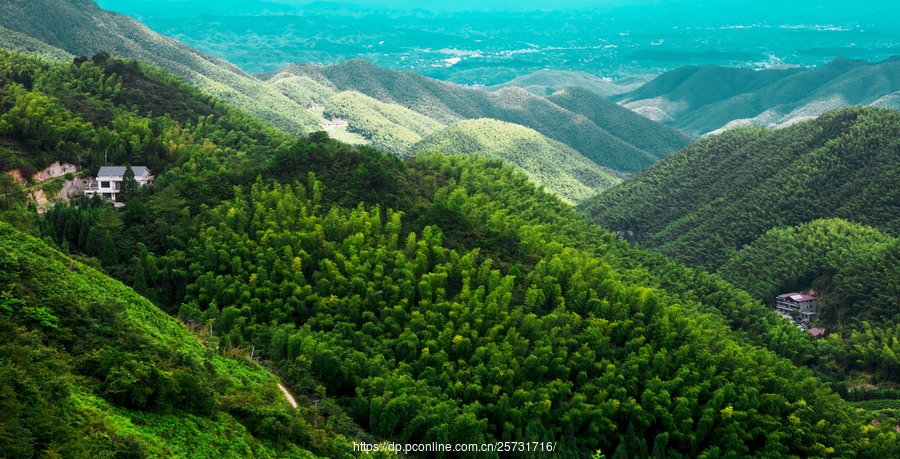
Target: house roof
<point>119,171</point>
<point>796,296</point>
<point>816,331</point>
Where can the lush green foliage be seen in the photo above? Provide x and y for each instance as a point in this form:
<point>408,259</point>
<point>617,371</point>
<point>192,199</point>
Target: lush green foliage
<point>709,200</point>
<point>389,127</point>
<point>853,268</point>
<point>622,124</point>
<point>440,299</point>
<point>561,170</point>
<point>854,271</point>
<point>90,369</point>
<point>729,203</point>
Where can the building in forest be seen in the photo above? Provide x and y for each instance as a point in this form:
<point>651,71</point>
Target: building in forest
<point>796,306</point>
<point>108,182</point>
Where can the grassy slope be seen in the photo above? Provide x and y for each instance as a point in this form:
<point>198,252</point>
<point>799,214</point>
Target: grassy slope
<point>557,167</point>
<point>389,127</point>
<point>546,82</point>
<point>20,42</point>
<point>80,27</point>
<point>38,275</point>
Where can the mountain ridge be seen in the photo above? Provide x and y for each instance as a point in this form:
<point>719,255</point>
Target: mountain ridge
<point>704,100</point>
<point>447,103</point>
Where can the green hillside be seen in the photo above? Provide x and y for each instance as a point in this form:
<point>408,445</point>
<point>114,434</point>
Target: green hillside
<point>704,99</point>
<point>81,28</point>
<point>448,103</point>
<point>706,202</point>
<point>437,299</point>
<point>90,369</point>
<point>561,170</point>
<point>624,125</point>
<point>389,127</point>
<point>784,210</point>
<point>832,256</point>
<point>855,274</point>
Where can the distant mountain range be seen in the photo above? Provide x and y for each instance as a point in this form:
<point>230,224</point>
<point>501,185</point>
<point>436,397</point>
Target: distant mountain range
<point>703,100</point>
<point>593,129</point>
<point>359,102</point>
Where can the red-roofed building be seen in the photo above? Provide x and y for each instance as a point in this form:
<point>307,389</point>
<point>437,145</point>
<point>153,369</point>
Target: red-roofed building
<point>817,332</point>
<point>796,306</point>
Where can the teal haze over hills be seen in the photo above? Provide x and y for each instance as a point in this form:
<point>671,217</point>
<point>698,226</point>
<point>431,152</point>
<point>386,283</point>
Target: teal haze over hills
<point>489,43</point>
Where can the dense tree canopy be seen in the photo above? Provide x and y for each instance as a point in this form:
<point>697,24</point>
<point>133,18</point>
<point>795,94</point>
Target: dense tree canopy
<point>435,299</point>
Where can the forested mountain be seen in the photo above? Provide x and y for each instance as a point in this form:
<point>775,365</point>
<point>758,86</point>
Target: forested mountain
<point>704,99</point>
<point>775,211</point>
<point>446,103</point>
<point>622,124</point>
<point>81,28</point>
<point>561,170</point>
<point>704,203</point>
<point>441,299</point>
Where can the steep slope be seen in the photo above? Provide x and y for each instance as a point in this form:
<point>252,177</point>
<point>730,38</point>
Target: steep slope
<point>703,99</point>
<point>88,368</point>
<point>625,125</point>
<point>15,41</point>
<point>80,27</point>
<point>714,197</point>
<point>561,170</point>
<point>447,103</point>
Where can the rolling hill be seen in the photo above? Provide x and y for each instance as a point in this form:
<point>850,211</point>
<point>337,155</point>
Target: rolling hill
<point>853,268</point>
<point>447,103</point>
<point>701,100</point>
<point>561,170</point>
<point>624,125</point>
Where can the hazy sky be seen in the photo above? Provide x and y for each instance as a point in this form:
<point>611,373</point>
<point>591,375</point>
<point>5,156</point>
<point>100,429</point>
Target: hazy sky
<point>856,11</point>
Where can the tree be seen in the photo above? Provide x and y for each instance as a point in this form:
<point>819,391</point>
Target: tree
<point>130,187</point>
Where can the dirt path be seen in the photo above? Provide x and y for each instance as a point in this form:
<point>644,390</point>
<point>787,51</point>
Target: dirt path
<point>287,395</point>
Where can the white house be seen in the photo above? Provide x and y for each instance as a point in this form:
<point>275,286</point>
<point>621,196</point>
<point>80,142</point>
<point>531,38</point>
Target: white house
<point>796,305</point>
<point>108,182</point>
